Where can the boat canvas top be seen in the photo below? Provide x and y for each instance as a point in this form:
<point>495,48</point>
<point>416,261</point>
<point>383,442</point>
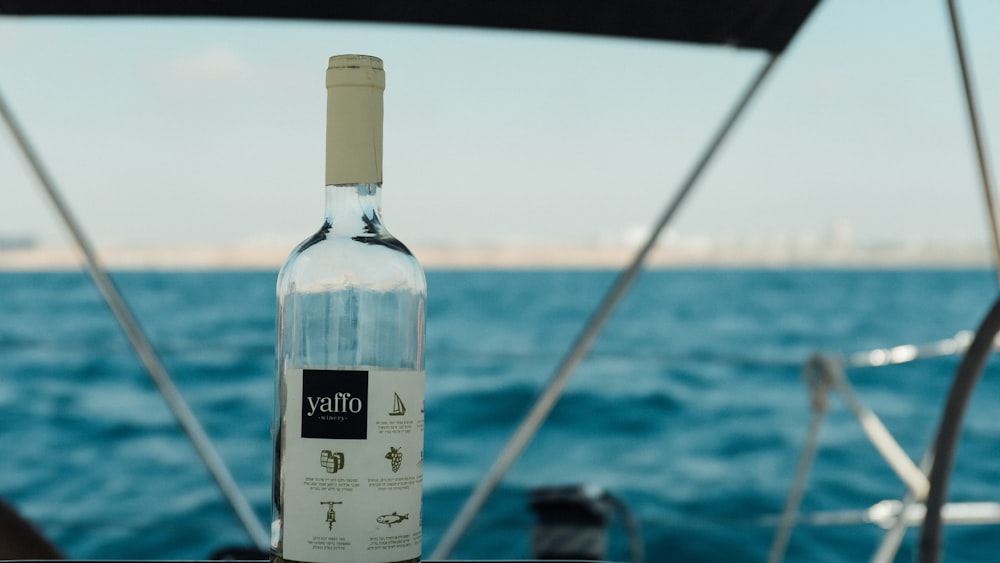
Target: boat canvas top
<point>758,24</point>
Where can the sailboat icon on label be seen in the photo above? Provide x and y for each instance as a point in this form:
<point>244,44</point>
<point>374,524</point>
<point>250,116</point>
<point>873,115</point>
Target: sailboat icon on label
<point>398,408</point>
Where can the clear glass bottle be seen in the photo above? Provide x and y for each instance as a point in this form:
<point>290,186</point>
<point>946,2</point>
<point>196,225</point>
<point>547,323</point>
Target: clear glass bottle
<point>349,422</point>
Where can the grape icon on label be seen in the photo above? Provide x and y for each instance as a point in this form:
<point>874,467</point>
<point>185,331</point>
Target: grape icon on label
<point>395,457</point>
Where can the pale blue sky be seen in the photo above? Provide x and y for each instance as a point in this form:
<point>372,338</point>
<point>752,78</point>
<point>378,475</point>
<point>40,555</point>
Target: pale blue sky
<point>212,131</point>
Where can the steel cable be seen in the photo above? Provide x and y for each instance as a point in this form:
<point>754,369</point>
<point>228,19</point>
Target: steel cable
<point>140,342</point>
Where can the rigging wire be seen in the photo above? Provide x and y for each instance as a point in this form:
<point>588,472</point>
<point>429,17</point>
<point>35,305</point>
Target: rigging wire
<point>982,345</point>
<point>529,426</point>
<point>819,386</point>
<point>139,341</point>
<point>909,352</point>
<point>977,135</point>
<point>879,435</point>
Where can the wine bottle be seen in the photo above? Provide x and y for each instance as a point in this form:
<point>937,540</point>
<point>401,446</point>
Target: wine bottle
<point>349,416</point>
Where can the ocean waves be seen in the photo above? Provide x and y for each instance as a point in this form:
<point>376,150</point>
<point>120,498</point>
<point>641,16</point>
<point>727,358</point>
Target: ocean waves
<point>691,407</point>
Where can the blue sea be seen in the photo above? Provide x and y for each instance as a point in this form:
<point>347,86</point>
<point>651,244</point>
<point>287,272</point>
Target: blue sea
<point>691,407</point>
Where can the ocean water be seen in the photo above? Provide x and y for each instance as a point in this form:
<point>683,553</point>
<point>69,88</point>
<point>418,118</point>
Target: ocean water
<point>690,409</point>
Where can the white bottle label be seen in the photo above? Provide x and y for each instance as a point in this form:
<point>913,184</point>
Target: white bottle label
<point>353,465</point>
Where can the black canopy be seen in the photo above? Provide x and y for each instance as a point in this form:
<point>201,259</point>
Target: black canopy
<point>754,24</point>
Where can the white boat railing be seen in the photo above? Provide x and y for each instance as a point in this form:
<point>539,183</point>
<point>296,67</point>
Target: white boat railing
<point>826,374</point>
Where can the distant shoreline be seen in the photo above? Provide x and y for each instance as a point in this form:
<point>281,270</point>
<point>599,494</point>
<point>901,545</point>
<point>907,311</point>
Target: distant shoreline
<point>504,257</point>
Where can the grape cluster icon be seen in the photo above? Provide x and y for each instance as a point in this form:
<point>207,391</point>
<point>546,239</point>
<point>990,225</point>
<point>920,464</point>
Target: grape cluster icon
<point>395,456</point>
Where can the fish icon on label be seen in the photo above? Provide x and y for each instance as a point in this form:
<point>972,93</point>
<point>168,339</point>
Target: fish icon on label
<point>390,519</point>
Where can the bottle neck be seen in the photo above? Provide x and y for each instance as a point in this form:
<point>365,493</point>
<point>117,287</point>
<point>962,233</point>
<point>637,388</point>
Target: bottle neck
<point>354,147</point>
<point>352,210</point>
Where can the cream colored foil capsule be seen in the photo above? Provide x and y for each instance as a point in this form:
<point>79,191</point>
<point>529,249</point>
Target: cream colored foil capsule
<point>354,87</point>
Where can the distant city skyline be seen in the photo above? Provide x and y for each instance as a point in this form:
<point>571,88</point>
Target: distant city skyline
<point>211,131</point>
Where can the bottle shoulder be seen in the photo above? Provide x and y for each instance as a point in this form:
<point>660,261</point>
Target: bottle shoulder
<point>330,263</point>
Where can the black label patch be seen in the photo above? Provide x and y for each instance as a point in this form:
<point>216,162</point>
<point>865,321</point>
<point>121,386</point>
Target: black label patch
<point>335,404</point>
